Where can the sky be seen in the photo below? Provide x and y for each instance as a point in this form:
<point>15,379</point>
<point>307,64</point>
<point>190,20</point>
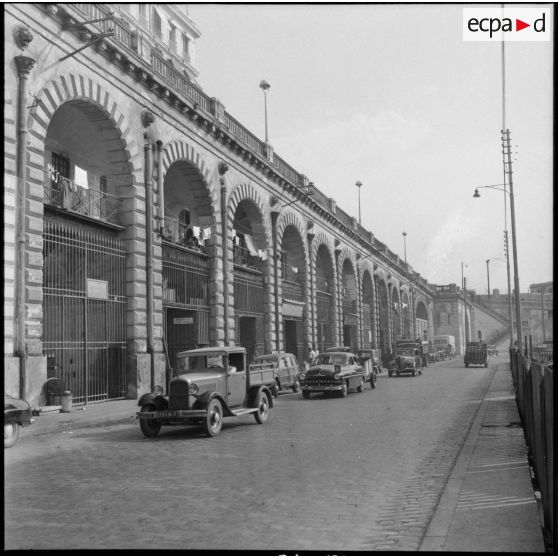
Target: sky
<point>391,96</point>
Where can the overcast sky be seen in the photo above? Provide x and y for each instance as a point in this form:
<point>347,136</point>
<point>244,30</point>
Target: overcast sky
<point>391,95</point>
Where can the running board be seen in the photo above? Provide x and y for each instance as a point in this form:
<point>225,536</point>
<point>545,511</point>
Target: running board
<point>240,412</point>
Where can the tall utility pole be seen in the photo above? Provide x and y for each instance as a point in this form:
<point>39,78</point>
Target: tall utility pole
<point>488,277</point>
<point>358,184</point>
<point>506,151</point>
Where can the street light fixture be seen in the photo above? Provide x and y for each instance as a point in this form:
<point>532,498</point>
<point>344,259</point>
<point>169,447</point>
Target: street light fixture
<point>488,273</point>
<point>264,87</point>
<point>515,266</point>
<point>358,185</point>
<point>404,245</point>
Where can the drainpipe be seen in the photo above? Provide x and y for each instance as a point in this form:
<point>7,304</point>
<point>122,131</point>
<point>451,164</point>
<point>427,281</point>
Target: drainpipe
<point>223,168</point>
<point>274,218</point>
<point>24,65</point>
<point>160,187</point>
<point>149,252</point>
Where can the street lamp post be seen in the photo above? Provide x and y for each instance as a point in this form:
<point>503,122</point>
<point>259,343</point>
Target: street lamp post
<point>264,87</point>
<point>488,278</point>
<point>464,287</point>
<point>358,185</point>
<point>514,248</point>
<point>404,245</point>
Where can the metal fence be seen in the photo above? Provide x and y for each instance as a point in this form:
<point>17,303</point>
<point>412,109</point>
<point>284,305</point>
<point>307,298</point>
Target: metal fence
<point>534,387</point>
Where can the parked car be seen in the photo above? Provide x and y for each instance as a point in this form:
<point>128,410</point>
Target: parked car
<point>209,384</point>
<point>369,359</point>
<point>492,350</point>
<point>17,413</point>
<point>445,344</point>
<point>476,353</point>
<point>406,360</point>
<point>333,372</point>
<point>286,369</point>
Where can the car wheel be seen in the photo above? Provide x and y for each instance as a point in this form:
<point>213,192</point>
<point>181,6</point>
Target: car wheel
<point>305,394</point>
<point>263,408</point>
<point>360,386</point>
<point>344,389</point>
<point>398,374</point>
<point>414,371</point>
<point>11,434</point>
<point>373,380</point>
<point>390,373</point>
<point>486,364</point>
<point>213,421</point>
<point>466,365</point>
<point>296,386</point>
<point>149,427</point>
<point>420,371</point>
<point>278,384</point>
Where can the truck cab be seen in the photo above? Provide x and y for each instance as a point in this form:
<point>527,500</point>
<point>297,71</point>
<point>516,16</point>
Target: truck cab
<point>208,385</point>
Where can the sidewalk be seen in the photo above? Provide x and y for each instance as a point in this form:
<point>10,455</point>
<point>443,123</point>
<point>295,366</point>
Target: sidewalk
<point>488,504</point>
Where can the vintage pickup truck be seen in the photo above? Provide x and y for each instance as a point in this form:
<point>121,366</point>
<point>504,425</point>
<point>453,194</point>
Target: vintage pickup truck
<point>476,353</point>
<point>209,384</point>
<point>405,360</point>
<point>286,369</point>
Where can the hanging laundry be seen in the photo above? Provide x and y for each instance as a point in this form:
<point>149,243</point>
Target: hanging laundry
<point>196,231</point>
<point>250,245</point>
<point>80,177</point>
<point>206,233</point>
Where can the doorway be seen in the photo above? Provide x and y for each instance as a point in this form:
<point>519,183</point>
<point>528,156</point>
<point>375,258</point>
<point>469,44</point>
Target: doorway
<point>247,336</point>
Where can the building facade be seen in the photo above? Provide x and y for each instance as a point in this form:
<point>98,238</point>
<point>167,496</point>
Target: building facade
<point>142,219</point>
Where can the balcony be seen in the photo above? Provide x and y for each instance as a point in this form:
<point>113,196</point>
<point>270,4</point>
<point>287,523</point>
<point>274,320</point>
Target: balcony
<point>91,202</point>
<point>186,235</point>
<point>242,257</point>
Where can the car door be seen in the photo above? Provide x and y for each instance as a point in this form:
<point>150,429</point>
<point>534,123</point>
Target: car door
<point>236,380</point>
<point>284,371</point>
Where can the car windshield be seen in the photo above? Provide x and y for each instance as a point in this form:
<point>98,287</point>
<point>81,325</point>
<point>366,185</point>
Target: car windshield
<point>200,363</point>
<point>405,352</point>
<point>331,358</point>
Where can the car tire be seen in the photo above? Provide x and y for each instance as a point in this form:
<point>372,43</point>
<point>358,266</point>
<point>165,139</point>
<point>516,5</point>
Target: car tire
<point>420,371</point>
<point>390,373</point>
<point>11,434</point>
<point>373,380</point>
<point>262,414</point>
<point>486,364</point>
<point>414,372</point>
<point>306,394</point>
<point>277,385</point>
<point>466,365</point>
<point>296,386</point>
<point>149,427</point>
<point>360,387</point>
<point>213,421</point>
<point>398,374</point>
<point>344,389</point>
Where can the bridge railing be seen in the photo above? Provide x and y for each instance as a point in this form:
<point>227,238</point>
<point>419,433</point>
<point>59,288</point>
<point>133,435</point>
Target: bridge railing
<point>534,388</point>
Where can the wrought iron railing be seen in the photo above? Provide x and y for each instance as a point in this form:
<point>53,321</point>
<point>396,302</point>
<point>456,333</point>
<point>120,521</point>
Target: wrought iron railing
<point>323,285</point>
<point>292,291</point>
<point>243,257</point>
<point>189,236</point>
<point>64,193</point>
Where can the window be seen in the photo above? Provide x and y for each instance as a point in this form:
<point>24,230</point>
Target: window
<point>156,24</point>
<point>142,14</point>
<point>172,37</point>
<point>185,45</point>
<point>61,164</point>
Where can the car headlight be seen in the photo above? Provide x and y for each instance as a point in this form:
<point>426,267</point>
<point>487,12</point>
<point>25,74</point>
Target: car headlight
<point>337,376</point>
<point>302,376</point>
<point>158,390</point>
<point>193,389</point>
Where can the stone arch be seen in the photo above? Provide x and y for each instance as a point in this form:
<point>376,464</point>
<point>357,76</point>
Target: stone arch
<point>93,98</point>
<point>367,307</point>
<point>178,151</point>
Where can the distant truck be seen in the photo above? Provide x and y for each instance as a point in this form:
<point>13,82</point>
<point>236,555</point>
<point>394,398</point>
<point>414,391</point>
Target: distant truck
<point>286,369</point>
<point>209,384</point>
<point>420,346</point>
<point>445,344</point>
<point>476,353</point>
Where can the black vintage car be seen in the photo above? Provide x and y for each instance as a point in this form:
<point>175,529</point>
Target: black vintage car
<point>17,413</point>
<point>333,372</point>
<point>405,360</point>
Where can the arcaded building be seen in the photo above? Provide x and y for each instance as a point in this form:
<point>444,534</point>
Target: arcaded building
<point>141,218</point>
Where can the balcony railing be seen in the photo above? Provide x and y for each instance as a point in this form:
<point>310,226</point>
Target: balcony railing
<point>243,257</point>
<point>182,234</point>
<point>91,202</point>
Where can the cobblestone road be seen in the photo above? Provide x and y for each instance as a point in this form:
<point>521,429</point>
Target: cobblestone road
<point>357,474</point>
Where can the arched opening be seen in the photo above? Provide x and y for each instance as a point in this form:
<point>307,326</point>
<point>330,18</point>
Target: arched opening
<point>382,312</point>
<point>293,272</point>
<point>249,257</point>
<point>406,313</point>
<point>367,308</point>
<point>325,313</point>
<point>86,175</point>
<point>422,321</point>
<point>350,307</point>
<point>187,247</point>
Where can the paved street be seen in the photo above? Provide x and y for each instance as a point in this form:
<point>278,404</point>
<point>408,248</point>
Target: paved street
<point>362,473</point>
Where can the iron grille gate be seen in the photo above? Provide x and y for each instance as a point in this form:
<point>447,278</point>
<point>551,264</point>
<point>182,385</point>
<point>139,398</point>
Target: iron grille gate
<point>324,321</point>
<point>185,300</point>
<point>84,310</point>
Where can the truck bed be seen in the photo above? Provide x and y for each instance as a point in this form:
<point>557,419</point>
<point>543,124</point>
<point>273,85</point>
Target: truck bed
<point>261,374</point>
